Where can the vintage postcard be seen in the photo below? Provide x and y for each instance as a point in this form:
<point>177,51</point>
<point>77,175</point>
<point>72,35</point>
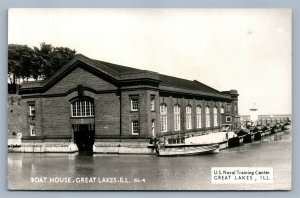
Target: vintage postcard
<point>149,99</point>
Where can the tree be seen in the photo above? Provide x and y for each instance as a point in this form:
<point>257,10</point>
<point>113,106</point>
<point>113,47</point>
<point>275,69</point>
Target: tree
<point>38,63</point>
<point>52,58</point>
<point>19,63</point>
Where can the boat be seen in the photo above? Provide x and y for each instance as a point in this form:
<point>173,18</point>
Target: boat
<point>220,137</point>
<point>185,149</point>
<point>287,126</point>
<point>194,145</point>
<point>275,128</point>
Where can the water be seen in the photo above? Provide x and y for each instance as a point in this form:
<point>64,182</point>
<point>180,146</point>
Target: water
<point>147,172</point>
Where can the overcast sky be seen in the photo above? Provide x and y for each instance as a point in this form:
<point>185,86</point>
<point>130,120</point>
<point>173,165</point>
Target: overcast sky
<point>244,49</point>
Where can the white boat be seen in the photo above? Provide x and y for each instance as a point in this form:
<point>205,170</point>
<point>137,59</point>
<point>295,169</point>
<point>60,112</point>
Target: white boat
<point>207,143</point>
<point>186,149</point>
<point>219,137</point>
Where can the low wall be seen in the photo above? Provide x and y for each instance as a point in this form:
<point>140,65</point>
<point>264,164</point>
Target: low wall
<point>44,147</point>
<point>70,147</point>
<point>123,148</point>
<point>105,146</point>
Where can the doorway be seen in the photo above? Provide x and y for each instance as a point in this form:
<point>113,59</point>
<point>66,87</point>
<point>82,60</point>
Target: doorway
<point>84,136</point>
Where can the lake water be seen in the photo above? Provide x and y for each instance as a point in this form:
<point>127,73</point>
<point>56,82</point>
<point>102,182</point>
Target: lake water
<point>146,172</point>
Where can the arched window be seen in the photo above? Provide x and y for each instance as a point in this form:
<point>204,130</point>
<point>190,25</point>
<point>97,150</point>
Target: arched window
<point>207,117</point>
<point>222,110</point>
<point>228,108</point>
<point>163,117</point>
<point>235,108</point>
<point>215,116</point>
<point>82,108</point>
<point>198,116</point>
<point>176,118</point>
<point>188,117</point>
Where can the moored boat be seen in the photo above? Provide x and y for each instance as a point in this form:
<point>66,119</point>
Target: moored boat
<point>194,145</point>
<point>233,142</point>
<point>287,126</point>
<point>185,149</point>
<point>219,137</point>
<point>275,128</point>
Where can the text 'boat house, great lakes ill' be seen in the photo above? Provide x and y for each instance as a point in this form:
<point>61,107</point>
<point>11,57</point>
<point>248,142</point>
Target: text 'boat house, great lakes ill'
<point>108,108</point>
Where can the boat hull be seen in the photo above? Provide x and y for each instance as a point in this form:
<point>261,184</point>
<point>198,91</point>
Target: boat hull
<point>187,149</point>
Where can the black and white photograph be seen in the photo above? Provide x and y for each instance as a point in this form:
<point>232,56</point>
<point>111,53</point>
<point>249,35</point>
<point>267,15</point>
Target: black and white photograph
<point>149,99</point>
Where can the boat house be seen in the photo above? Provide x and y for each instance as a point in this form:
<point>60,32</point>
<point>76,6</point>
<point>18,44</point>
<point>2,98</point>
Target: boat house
<point>108,108</point>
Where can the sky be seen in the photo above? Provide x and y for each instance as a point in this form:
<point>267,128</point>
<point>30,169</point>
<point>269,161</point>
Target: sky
<point>244,49</point>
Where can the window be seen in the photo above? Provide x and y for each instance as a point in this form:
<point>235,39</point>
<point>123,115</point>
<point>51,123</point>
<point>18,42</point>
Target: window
<point>32,129</point>
<point>153,103</point>
<point>228,108</point>
<point>176,118</point>
<point>207,117</point>
<point>222,110</point>
<point>153,128</point>
<point>228,119</point>
<point>188,117</point>
<point>134,104</point>
<point>215,111</point>
<point>135,127</point>
<point>31,109</point>
<point>163,117</point>
<point>198,116</point>
<point>82,108</point>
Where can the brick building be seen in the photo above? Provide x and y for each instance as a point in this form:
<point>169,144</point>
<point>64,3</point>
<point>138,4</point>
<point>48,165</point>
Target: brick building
<point>90,104</point>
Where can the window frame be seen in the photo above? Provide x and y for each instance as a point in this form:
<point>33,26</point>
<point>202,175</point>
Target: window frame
<point>152,99</point>
<point>177,119</point>
<point>153,127</point>
<point>207,117</point>
<point>228,108</point>
<point>226,118</point>
<point>222,110</point>
<point>198,117</point>
<point>188,117</point>
<point>83,108</point>
<point>235,108</point>
<point>32,129</point>
<point>132,127</point>
<point>215,116</point>
<point>31,108</point>
<point>132,105</point>
<point>163,110</point>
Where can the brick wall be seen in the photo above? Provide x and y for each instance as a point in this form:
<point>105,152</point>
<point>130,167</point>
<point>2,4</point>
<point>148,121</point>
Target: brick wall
<point>183,103</point>
<point>56,117</point>
<point>107,114</point>
<point>80,76</point>
<point>113,115</point>
<point>53,114</point>
<point>17,116</point>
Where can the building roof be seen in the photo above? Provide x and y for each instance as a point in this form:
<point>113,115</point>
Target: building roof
<point>165,80</point>
<point>118,68</point>
<point>185,84</point>
<point>120,72</point>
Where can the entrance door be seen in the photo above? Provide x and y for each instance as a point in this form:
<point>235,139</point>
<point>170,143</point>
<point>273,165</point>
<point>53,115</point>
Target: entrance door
<point>84,136</point>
